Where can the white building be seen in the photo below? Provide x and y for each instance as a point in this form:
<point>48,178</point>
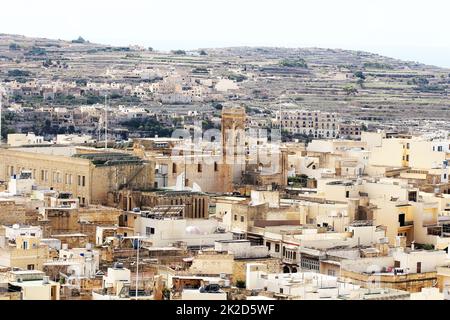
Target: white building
<point>165,231</point>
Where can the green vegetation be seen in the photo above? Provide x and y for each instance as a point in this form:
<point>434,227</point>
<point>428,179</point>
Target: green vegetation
<point>297,63</point>
<point>81,82</point>
<point>14,47</point>
<point>6,130</point>
<point>36,51</point>
<point>350,90</point>
<point>423,85</point>
<point>200,70</point>
<point>150,125</point>
<point>237,77</point>
<point>18,73</point>
<point>240,284</point>
<point>179,52</point>
<point>420,81</point>
<point>203,53</point>
<point>377,65</point>
<point>360,75</point>
<point>79,40</point>
<point>217,106</point>
<point>298,181</point>
<point>250,110</point>
<point>207,124</point>
<point>360,82</point>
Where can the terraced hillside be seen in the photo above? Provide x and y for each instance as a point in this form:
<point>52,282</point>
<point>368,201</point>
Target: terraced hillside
<point>358,84</point>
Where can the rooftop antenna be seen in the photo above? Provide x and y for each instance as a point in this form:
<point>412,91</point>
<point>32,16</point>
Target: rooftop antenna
<point>281,128</point>
<point>137,265</point>
<point>106,122</point>
<point>1,98</point>
<point>185,172</point>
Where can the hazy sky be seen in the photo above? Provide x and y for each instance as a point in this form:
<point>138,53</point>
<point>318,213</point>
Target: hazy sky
<point>410,30</point>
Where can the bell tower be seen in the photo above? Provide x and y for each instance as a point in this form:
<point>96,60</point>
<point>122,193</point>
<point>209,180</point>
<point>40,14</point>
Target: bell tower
<point>233,143</point>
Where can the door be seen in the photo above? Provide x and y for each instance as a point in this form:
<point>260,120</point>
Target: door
<point>419,267</point>
<point>401,219</point>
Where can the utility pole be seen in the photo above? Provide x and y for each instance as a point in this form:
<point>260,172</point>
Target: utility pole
<point>1,98</point>
<point>281,129</point>
<point>185,174</point>
<point>106,123</point>
<point>137,266</point>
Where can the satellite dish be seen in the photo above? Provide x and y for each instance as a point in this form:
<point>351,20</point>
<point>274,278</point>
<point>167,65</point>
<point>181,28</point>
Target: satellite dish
<point>193,230</point>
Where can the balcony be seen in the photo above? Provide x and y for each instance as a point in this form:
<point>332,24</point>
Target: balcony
<point>406,224</point>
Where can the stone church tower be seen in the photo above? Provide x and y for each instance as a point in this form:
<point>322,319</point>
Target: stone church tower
<point>233,145</point>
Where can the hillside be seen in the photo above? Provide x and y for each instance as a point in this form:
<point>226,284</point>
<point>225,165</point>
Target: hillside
<point>362,85</point>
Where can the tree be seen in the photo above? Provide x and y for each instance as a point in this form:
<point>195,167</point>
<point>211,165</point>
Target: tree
<point>217,106</point>
<point>350,90</point>
<point>298,63</point>
<point>207,124</point>
<point>240,284</point>
<point>79,40</point>
<point>360,74</point>
<point>180,52</point>
<point>203,53</point>
<point>14,47</point>
<point>18,73</point>
<point>360,82</point>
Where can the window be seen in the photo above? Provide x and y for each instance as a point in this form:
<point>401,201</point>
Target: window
<point>331,273</point>
<point>79,180</point>
<point>310,264</point>
<point>174,168</point>
<point>30,267</point>
<point>268,245</point>
<point>199,167</point>
<point>216,166</point>
<point>347,194</point>
<point>235,217</point>
<point>84,181</point>
<point>242,218</point>
<point>149,231</point>
<point>277,247</point>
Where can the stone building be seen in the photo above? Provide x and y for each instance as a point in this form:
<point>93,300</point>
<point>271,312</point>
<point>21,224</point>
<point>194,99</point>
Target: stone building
<point>196,203</point>
<point>87,174</point>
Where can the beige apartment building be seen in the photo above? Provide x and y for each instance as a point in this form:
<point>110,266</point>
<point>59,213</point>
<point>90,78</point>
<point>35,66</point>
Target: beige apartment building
<point>88,174</point>
<point>25,252</point>
<point>312,123</point>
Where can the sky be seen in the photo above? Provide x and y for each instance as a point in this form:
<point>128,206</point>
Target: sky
<point>410,30</point>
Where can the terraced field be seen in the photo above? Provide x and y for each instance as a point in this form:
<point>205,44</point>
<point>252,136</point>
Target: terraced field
<point>358,84</point>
